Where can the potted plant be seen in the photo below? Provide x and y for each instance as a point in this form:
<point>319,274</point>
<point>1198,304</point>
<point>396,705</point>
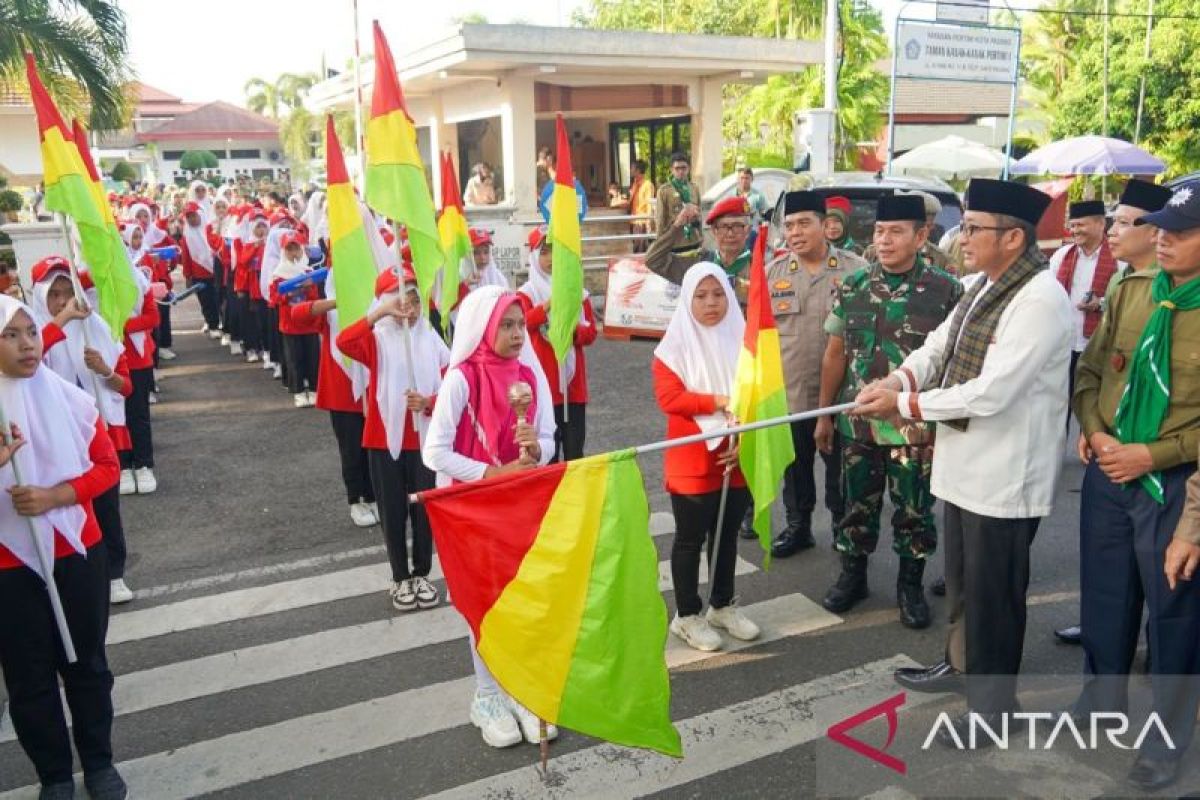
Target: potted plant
<point>10,204</point>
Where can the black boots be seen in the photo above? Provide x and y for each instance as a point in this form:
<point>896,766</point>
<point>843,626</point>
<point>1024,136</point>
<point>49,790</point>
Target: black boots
<point>851,586</point>
<point>910,594</point>
<point>795,537</point>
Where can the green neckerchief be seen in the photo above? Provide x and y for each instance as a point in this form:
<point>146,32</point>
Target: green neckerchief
<point>736,266</point>
<point>682,189</point>
<point>845,243</point>
<point>1147,395</point>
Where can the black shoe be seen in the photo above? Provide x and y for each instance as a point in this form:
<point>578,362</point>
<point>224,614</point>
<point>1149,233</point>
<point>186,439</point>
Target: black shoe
<point>792,541</point>
<point>961,738</point>
<point>746,531</point>
<point>938,587</point>
<point>1072,634</point>
<point>910,594</point>
<point>57,791</point>
<point>105,784</point>
<point>1152,774</point>
<point>941,677</point>
<point>851,586</point>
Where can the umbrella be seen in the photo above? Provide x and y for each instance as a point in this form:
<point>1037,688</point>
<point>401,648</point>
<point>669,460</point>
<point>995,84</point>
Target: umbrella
<point>1089,155</point>
<point>950,158</point>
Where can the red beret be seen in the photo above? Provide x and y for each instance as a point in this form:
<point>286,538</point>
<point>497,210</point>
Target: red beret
<point>191,208</point>
<point>838,203</point>
<point>537,237</point>
<point>738,206</point>
<point>386,281</point>
<point>479,236</point>
<point>293,238</point>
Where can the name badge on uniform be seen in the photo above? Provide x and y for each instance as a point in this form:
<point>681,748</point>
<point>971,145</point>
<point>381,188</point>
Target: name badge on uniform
<point>833,262</point>
<point>783,285</point>
<point>783,305</point>
<point>793,266</point>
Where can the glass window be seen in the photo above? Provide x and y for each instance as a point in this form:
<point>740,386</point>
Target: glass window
<point>650,140</point>
<point>245,154</point>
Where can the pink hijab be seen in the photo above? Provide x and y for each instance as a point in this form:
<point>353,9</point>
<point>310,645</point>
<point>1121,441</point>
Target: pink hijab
<point>487,428</point>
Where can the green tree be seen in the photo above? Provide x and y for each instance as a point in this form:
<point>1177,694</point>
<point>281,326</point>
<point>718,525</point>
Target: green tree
<point>284,94</point>
<point>195,161</point>
<point>81,52</point>
<point>262,97</point>
<point>1049,45</point>
<point>123,171</point>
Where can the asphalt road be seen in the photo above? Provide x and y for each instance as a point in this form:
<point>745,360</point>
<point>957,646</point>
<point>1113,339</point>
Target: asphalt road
<point>262,658</point>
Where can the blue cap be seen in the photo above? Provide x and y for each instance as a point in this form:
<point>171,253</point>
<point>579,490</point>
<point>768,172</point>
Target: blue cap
<point>1182,211</point>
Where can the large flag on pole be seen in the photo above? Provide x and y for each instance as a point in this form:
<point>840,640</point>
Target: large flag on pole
<point>760,393</point>
<point>68,191</point>
<point>561,592</point>
<point>566,277</point>
<point>396,185</point>
<point>456,241</point>
<point>351,257</point>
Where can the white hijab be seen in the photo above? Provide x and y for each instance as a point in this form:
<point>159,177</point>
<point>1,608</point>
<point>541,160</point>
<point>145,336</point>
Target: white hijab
<point>297,205</point>
<point>316,217</point>
<point>287,268</point>
<point>153,234</point>
<point>206,212</point>
<point>66,357</point>
<point>489,274</point>
<point>272,254</point>
<point>429,357</point>
<point>58,421</point>
<point>704,358</point>
<point>356,372</point>
<point>127,234</point>
<point>473,316</point>
<point>538,289</point>
<point>197,244</point>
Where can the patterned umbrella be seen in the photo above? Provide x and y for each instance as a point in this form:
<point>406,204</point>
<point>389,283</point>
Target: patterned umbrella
<point>1089,155</point>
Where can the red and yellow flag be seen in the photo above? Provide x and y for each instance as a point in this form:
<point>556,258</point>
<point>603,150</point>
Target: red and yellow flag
<point>566,276</point>
<point>456,240</point>
<point>396,185</point>
<point>352,261</point>
<point>759,393</point>
<point>561,592</point>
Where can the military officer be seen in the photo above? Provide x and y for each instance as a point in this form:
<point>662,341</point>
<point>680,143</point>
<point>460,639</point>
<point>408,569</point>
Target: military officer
<point>930,252</point>
<point>803,283</point>
<point>882,313</point>
<point>1137,397</point>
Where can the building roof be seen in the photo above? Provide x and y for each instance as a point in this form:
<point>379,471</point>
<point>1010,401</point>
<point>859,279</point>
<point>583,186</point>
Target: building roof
<point>967,99</point>
<point>145,93</point>
<point>216,120</point>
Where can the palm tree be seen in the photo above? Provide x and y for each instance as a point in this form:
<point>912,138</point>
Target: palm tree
<point>262,97</point>
<point>80,47</point>
<point>292,87</point>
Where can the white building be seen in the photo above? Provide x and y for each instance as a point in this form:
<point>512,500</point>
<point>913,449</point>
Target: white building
<point>244,143</point>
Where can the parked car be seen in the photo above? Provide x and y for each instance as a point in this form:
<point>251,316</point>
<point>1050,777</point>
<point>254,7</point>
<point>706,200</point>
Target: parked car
<point>771,181</point>
<point>863,190</point>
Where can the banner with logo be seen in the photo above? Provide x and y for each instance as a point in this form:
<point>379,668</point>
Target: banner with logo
<point>638,302</point>
<point>956,52</point>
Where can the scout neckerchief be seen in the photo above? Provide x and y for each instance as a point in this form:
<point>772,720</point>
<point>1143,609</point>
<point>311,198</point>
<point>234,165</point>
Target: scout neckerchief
<point>1147,395</point>
<point>735,267</point>
<point>963,361</point>
<point>685,195</point>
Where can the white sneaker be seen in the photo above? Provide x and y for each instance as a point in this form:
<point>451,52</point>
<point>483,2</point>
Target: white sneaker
<point>266,361</point>
<point>312,398</point>
<point>374,510</point>
<point>427,593</point>
<point>300,400</point>
<point>204,328</point>
<point>225,340</point>
<point>732,620</point>
<point>251,356</point>
<point>403,596</point>
<point>153,398</point>
<point>362,516</point>
<point>278,373</point>
<point>530,725</point>
<point>146,482</point>
<point>235,348</point>
<point>128,483</point>
<point>215,334</point>
<point>118,592</point>
<point>166,354</point>
<point>491,715</point>
<point>696,632</point>
<point>157,377</point>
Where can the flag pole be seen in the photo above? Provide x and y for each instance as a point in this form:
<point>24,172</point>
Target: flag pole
<point>408,345</point>
<point>715,553</point>
<point>81,299</point>
<point>60,616</point>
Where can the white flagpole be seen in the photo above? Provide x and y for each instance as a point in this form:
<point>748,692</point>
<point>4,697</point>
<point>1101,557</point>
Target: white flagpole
<point>81,299</point>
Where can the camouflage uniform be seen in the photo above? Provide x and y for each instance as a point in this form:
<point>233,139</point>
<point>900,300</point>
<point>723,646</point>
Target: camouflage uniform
<point>880,326</point>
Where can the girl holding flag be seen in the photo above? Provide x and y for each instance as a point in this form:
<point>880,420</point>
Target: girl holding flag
<point>570,428</point>
<point>65,458</point>
<point>406,373</point>
<point>474,434</point>
<point>694,369</point>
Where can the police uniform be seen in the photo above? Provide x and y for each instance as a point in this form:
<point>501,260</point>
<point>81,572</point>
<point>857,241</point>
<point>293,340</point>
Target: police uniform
<point>1125,529</point>
<point>882,317</point>
<point>801,300</point>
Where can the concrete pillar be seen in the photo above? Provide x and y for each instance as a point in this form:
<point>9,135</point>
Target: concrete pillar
<point>519,144</point>
<point>33,241</point>
<point>443,137</point>
<point>707,140</point>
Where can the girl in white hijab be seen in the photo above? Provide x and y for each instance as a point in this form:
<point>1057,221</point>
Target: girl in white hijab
<point>694,368</point>
<point>141,214</point>
<point>65,459</point>
<point>198,193</point>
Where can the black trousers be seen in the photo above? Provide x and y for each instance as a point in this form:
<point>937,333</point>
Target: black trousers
<point>301,358</point>
<point>393,480</point>
<point>232,314</point>
<point>799,482</point>
<point>1123,536</point>
<point>695,520</point>
<point>108,514</point>
<point>987,576</point>
<point>569,436</point>
<point>164,327</point>
<point>220,286</point>
<point>32,659</point>
<point>253,322</point>
<point>356,471</point>
<point>271,336</point>
<point>207,297</point>
<point>137,419</point>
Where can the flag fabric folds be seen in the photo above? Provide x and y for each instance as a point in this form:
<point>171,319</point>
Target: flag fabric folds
<point>566,275</point>
<point>396,185</point>
<point>68,190</point>
<point>561,592</point>
<point>759,393</point>
<point>351,257</point>
<point>456,241</point>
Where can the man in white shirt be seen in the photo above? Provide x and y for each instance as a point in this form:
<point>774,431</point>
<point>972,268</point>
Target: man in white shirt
<point>994,376</point>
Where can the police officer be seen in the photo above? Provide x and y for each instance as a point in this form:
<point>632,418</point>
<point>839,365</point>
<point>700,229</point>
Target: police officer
<point>1137,397</point>
<point>882,313</point>
<point>803,284</point>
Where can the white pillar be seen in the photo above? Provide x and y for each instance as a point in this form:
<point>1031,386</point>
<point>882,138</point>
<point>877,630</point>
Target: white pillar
<point>706,132</point>
<point>519,144</point>
<point>33,241</point>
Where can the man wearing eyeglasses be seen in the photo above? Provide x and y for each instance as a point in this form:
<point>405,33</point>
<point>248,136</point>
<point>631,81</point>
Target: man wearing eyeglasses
<point>729,221</point>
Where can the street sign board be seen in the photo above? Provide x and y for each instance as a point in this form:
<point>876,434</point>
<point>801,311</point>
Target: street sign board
<point>956,52</point>
<point>974,12</point>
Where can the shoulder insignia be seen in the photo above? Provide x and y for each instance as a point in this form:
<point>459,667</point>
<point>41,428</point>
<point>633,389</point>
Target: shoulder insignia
<point>833,262</point>
<point>793,266</point>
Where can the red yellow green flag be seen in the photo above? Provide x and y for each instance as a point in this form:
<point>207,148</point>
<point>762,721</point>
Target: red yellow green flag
<point>396,185</point>
<point>456,241</point>
<point>561,592</point>
<point>760,393</point>
<point>566,275</point>
<point>351,258</point>
<point>68,191</point>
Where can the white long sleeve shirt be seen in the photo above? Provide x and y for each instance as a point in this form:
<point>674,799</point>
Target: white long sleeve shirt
<point>1006,463</point>
<point>438,451</point>
<point>1081,285</point>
